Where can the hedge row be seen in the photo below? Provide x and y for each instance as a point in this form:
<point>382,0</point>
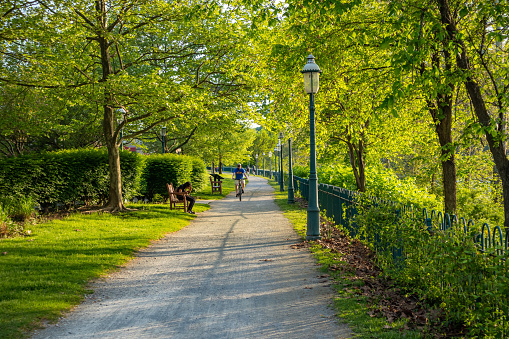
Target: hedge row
<point>71,176</point>
<point>168,168</point>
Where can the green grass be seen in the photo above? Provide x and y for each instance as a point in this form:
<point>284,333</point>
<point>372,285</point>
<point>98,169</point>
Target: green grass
<point>206,192</point>
<point>47,273</point>
<point>351,308</point>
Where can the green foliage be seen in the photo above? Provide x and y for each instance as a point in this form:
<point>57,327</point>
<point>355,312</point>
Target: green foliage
<point>301,171</point>
<point>199,175</point>
<point>446,269</point>
<point>479,204</point>
<point>157,198</point>
<point>166,168</point>
<point>19,209</point>
<point>380,182</point>
<point>66,177</point>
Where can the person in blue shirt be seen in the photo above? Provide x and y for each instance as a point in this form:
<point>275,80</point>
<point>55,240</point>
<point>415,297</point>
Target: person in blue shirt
<point>238,174</point>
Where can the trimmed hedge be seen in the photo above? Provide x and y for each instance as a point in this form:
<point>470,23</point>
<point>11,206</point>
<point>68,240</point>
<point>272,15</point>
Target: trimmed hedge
<point>160,169</point>
<point>66,176</point>
<point>199,175</point>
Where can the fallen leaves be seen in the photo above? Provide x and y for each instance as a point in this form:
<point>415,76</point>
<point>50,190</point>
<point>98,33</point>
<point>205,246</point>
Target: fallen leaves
<point>356,262</point>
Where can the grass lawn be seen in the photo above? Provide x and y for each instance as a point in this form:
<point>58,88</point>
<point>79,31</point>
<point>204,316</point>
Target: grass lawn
<point>47,273</point>
<point>205,193</point>
<point>350,308</point>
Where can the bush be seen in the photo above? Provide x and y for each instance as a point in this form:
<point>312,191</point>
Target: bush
<point>161,169</point>
<point>445,269</point>
<point>476,203</point>
<point>199,175</point>
<point>66,177</point>
<point>382,183</point>
<point>301,171</point>
<point>19,209</point>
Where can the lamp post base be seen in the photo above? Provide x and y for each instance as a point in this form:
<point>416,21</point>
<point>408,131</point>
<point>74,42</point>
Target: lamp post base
<point>291,196</point>
<point>313,224</point>
<point>313,237</point>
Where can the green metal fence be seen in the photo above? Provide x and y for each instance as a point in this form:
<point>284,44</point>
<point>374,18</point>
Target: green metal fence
<point>340,205</point>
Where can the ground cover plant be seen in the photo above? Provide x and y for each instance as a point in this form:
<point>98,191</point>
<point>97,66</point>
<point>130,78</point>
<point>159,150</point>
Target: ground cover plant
<point>445,269</point>
<point>47,273</point>
<point>15,214</point>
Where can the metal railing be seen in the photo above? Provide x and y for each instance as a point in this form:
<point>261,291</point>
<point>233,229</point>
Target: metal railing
<point>341,205</point>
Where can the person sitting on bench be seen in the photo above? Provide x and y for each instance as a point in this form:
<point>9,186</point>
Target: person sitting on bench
<point>186,187</point>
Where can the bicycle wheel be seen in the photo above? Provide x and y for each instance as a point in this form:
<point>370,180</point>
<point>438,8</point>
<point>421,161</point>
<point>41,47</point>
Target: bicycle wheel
<point>240,195</point>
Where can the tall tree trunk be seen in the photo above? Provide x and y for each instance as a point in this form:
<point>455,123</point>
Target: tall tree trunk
<point>497,146</point>
<point>115,200</point>
<point>443,126</point>
<point>356,155</point>
<point>441,113</point>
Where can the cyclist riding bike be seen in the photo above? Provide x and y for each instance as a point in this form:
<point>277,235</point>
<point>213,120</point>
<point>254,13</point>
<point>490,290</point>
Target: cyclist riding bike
<point>238,174</point>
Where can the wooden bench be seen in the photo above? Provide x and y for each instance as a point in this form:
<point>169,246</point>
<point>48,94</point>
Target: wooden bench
<point>216,185</point>
<point>175,202</point>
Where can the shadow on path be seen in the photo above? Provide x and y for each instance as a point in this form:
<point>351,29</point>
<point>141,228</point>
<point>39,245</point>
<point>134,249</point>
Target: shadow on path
<point>230,274</point>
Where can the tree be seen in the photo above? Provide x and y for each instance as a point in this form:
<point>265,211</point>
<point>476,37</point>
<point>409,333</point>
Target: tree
<point>137,64</point>
<point>491,16</point>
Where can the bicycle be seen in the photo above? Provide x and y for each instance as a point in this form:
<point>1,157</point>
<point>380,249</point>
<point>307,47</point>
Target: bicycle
<point>240,190</point>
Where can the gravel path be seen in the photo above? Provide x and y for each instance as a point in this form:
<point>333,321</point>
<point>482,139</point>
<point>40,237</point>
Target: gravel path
<point>232,273</point>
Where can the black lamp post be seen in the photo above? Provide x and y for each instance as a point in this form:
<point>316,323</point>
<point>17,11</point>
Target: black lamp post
<point>163,138</point>
<point>311,74</point>
<point>291,196</point>
<point>270,164</point>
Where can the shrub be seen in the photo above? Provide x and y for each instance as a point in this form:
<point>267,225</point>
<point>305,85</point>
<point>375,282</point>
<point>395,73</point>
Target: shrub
<point>66,176</point>
<point>157,198</point>
<point>199,175</point>
<point>19,209</point>
<point>445,269</point>
<point>382,183</point>
<point>161,169</point>
<point>301,171</point>
<point>476,203</point>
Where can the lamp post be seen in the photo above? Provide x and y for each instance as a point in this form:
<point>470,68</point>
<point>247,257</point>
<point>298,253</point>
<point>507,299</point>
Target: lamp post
<point>275,161</point>
<point>291,196</point>
<point>311,73</point>
<point>281,179</point>
<point>270,165</point>
<point>256,169</point>
<point>163,138</point>
<point>263,155</point>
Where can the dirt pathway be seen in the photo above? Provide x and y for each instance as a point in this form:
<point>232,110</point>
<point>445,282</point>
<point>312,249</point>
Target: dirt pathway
<point>230,274</point>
